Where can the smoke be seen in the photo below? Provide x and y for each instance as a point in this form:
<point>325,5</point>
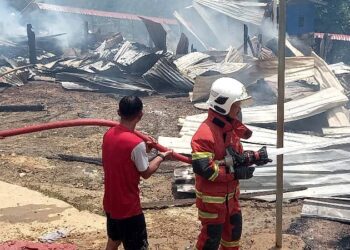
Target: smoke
<point>269,30</point>
<point>50,23</point>
<point>53,23</point>
<point>10,22</point>
<point>45,23</point>
<point>219,25</point>
<point>13,25</point>
<point>216,29</point>
<point>157,8</point>
<point>219,30</point>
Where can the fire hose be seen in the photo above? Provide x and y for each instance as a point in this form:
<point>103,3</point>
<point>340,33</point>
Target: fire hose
<point>86,122</point>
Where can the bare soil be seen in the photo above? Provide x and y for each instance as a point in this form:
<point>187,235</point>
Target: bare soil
<point>27,161</point>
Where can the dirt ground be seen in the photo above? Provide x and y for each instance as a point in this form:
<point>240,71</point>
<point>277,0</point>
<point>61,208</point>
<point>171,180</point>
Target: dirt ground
<point>31,161</point>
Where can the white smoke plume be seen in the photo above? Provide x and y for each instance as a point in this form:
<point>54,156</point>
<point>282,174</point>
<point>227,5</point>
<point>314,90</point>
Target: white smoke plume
<point>10,25</point>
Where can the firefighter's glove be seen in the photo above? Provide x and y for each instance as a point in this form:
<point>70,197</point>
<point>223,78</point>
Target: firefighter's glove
<point>236,165</point>
<point>233,159</point>
<point>243,173</point>
<point>263,157</point>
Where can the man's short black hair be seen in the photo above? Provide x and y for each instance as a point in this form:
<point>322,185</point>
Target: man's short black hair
<point>130,106</point>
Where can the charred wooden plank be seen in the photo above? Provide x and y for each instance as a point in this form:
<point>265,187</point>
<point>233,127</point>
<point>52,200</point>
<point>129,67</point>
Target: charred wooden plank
<point>22,108</point>
<point>16,69</point>
<point>90,160</point>
<point>167,204</point>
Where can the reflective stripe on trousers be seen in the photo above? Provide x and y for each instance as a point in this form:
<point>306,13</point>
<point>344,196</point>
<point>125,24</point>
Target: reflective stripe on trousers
<point>214,199</point>
<point>221,222</point>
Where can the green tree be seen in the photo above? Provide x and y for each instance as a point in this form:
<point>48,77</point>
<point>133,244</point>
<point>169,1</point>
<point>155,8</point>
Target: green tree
<point>333,17</point>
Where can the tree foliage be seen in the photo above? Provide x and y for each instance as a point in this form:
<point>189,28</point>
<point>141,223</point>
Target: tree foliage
<point>333,17</point>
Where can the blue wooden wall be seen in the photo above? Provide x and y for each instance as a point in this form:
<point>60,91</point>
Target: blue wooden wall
<point>300,17</point>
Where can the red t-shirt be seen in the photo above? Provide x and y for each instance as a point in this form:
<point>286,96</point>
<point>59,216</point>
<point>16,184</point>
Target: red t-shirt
<point>121,198</point>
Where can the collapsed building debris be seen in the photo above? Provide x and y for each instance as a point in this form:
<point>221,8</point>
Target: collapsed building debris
<point>251,72</point>
<point>311,105</point>
<point>165,78</point>
<point>182,46</point>
<point>91,82</point>
<point>136,58</point>
<point>261,136</point>
<point>117,57</point>
<point>116,65</point>
<point>14,76</point>
<point>326,177</point>
<point>332,208</point>
<point>12,49</point>
<point>304,168</point>
<point>156,32</point>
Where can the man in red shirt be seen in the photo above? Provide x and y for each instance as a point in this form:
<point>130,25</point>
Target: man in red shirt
<point>124,157</point>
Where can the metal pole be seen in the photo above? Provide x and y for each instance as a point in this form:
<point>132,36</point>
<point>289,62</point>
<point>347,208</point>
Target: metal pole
<point>280,118</point>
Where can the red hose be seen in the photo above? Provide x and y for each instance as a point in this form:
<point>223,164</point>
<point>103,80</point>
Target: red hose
<point>85,122</point>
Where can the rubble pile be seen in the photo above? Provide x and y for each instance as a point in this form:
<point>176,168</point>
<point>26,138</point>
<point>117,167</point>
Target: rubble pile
<point>116,66</point>
<point>110,63</point>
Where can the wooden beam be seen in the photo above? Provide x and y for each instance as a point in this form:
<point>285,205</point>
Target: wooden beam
<point>245,42</point>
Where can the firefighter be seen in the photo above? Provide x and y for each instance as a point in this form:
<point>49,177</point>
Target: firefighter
<point>219,162</point>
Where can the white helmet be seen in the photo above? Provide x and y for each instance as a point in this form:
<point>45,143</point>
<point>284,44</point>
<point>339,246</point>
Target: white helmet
<point>224,92</point>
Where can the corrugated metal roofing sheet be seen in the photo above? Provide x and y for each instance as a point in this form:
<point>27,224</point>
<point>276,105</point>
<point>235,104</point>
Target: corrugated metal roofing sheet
<point>190,59</point>
<point>165,77</point>
<point>244,11</point>
<point>337,209</point>
<point>338,37</point>
<point>260,137</point>
<point>309,173</point>
<point>90,12</point>
<point>308,106</point>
